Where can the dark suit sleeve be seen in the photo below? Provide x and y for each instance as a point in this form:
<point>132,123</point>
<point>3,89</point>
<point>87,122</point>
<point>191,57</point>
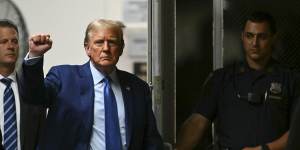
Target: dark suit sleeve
<point>33,88</point>
<point>1,146</point>
<point>153,140</point>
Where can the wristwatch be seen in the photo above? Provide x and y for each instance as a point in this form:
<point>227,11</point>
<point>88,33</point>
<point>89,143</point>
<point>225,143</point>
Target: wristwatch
<point>265,147</point>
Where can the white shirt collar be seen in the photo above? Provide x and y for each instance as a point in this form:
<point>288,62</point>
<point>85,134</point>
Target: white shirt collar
<point>98,75</point>
<point>11,76</point>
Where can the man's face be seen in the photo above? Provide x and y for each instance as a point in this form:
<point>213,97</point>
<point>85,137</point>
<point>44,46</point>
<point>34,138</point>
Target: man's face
<point>257,41</point>
<point>104,48</point>
<point>9,46</point>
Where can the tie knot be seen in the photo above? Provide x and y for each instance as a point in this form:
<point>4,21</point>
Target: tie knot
<point>6,81</point>
<point>107,79</point>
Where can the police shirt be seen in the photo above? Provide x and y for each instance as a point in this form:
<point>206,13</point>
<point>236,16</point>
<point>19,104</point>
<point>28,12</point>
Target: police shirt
<point>250,107</point>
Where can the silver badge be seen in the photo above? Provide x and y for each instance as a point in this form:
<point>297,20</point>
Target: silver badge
<point>127,88</point>
<point>275,88</point>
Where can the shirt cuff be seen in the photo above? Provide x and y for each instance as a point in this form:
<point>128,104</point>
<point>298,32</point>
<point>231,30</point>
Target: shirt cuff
<point>31,60</point>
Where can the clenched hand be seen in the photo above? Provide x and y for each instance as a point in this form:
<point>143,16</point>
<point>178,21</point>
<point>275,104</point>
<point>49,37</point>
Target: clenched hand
<point>39,45</point>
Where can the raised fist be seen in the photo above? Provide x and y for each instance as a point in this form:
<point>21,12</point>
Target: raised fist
<point>39,45</point>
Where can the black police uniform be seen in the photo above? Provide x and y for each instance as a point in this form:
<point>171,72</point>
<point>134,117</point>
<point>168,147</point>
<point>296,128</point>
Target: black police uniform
<point>294,134</point>
<point>250,107</point>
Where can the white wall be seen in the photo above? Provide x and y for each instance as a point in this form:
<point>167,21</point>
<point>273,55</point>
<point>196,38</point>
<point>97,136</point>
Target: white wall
<point>66,21</point>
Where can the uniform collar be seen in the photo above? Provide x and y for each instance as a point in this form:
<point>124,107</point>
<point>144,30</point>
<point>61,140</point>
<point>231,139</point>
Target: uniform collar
<point>243,66</point>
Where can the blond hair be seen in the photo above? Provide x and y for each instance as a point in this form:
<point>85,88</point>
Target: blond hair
<point>104,24</point>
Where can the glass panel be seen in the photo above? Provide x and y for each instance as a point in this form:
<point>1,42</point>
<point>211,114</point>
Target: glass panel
<point>194,54</point>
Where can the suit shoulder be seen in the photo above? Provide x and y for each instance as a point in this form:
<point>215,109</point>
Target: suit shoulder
<point>131,78</point>
<point>65,67</point>
<point>69,71</point>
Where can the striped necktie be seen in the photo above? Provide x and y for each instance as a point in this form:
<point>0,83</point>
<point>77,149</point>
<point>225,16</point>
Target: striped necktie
<point>10,121</point>
<point>113,139</point>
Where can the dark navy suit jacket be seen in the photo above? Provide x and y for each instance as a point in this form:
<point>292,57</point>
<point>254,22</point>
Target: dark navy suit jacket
<point>32,119</point>
<point>68,92</point>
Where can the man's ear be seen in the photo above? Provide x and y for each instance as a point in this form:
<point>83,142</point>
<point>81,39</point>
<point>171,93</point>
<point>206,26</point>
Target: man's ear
<point>87,49</point>
<point>242,35</point>
<point>122,47</point>
<point>121,51</point>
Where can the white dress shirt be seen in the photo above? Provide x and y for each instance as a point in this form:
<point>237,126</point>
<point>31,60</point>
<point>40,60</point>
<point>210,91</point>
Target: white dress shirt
<point>14,87</point>
<point>98,134</point>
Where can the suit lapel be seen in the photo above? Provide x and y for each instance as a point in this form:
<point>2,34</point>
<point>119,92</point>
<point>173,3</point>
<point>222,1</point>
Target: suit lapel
<point>87,95</point>
<point>87,100</point>
<point>22,122</point>
<point>128,104</point>
<point>22,114</point>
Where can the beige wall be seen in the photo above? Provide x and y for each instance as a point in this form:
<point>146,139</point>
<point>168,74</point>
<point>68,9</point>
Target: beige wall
<point>66,21</point>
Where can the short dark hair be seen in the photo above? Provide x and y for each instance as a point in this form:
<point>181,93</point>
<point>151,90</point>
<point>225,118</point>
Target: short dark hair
<point>260,16</point>
<point>8,23</point>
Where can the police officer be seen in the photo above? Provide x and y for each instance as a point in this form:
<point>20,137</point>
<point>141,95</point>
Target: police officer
<point>250,101</point>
